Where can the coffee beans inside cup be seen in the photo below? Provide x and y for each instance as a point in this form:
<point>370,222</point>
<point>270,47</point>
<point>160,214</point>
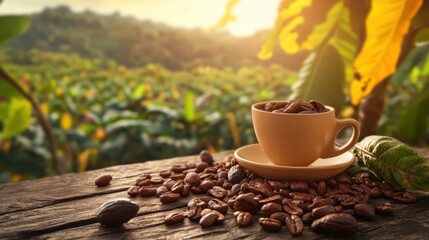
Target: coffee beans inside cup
<point>221,188</point>
<point>295,106</point>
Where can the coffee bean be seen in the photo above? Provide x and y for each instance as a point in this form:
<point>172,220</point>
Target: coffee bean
<point>169,183</point>
<point>147,191</point>
<point>103,180</point>
<point>291,207</point>
<point>318,106</point>
<point>299,187</point>
<point>217,192</point>
<point>211,170</point>
<point>321,202</point>
<point>142,182</point>
<point>236,174</point>
<point>179,168</point>
<point>198,202</point>
<point>270,224</point>
<point>248,199</point>
<point>268,107</point>
<point>133,191</point>
<point>349,211</point>
<point>186,191</point>
<point>174,218</point>
<point>364,211</point>
<point>331,183</point>
<point>277,184</point>
<point>294,107</point>
<point>165,173</point>
<point>274,198</point>
<point>270,208</point>
<point>177,188</point>
<point>281,216</point>
<point>169,197</point>
<point>385,208</point>
<point>218,205</point>
<point>201,166</point>
<point>194,213</point>
<point>261,188</point>
<point>323,211</point>
<point>336,223</point>
<point>116,212</point>
<point>206,185</point>
<point>376,193</point>
<point>244,219</point>
<point>206,157</point>
<point>208,220</point>
<point>295,225</point>
<point>321,188</point>
<point>196,190</point>
<point>179,176</point>
<point>160,190</point>
<point>307,218</point>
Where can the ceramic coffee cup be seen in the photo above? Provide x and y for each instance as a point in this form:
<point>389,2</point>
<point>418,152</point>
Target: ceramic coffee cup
<point>291,139</point>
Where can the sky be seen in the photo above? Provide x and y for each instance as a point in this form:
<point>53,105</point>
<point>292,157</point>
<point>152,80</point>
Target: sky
<point>252,15</point>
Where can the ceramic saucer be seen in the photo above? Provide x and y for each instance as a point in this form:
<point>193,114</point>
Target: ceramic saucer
<point>253,158</point>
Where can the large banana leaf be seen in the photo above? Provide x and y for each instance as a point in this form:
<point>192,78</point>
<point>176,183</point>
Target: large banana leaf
<point>321,77</point>
<point>386,25</point>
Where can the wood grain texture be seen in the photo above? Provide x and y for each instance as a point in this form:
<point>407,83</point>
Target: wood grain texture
<point>64,207</point>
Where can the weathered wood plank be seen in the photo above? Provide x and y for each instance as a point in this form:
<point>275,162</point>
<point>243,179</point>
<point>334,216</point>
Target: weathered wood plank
<point>26,195</point>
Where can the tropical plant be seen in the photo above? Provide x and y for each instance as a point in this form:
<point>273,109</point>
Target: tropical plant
<point>359,43</point>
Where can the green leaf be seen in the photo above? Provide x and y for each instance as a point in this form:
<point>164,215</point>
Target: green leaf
<point>418,55</point>
<point>394,162</point>
<point>189,108</point>
<point>17,119</point>
<point>422,35</point>
<point>413,120</point>
<point>7,90</point>
<point>12,26</point>
<point>4,107</point>
<point>138,92</point>
<point>345,41</point>
<point>321,77</point>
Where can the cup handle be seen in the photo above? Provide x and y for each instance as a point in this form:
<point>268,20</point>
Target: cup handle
<point>340,124</point>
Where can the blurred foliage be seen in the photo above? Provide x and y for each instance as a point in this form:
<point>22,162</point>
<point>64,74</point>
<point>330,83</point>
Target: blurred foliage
<point>104,113</point>
<point>135,43</point>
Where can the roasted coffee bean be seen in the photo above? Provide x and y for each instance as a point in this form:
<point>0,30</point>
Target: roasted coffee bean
<point>248,199</point>
<point>208,220</point>
<point>174,218</point>
<point>295,225</point>
<point>186,190</point>
<point>277,184</point>
<point>364,211</point>
<point>147,191</point>
<point>281,216</point>
<point>206,157</point>
<point>376,193</point>
<point>270,208</point>
<point>116,212</point>
<point>307,218</point>
<point>348,204</point>
<point>318,106</point>
<point>142,182</point>
<point>160,190</point>
<point>177,188</point>
<point>244,219</point>
<point>103,180</point>
<point>165,173</point>
<point>156,181</point>
<point>220,219</point>
<point>211,170</point>
<point>291,207</point>
<point>206,185</point>
<point>321,188</point>
<point>179,168</point>
<point>284,192</point>
<point>387,193</point>
<point>218,205</point>
<point>323,211</point>
<point>280,105</point>
<point>331,183</point>
<point>222,174</point>
<point>260,188</point>
<point>268,107</point>
<point>294,107</point>
<point>385,208</point>
<point>217,192</point>
<point>321,202</point>
<point>169,197</point>
<point>194,213</point>
<point>133,191</point>
<point>339,208</point>
<point>336,223</point>
<point>301,196</point>
<point>299,187</point>
<point>343,179</point>
<point>270,224</point>
<point>191,165</point>
<point>274,198</point>
<point>349,211</point>
<point>201,166</point>
<point>196,190</point>
<point>179,176</point>
<point>169,183</point>
<point>189,170</point>
<point>197,202</point>
<point>236,174</point>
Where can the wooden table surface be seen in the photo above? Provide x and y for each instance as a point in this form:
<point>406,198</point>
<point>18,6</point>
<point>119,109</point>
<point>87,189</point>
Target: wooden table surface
<point>63,207</point>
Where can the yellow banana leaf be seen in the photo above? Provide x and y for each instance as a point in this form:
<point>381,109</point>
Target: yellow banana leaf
<point>386,25</point>
<point>287,11</point>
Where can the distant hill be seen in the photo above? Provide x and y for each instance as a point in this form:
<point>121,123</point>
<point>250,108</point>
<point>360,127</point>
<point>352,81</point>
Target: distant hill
<point>136,43</point>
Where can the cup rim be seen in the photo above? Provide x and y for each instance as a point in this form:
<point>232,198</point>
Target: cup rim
<point>331,109</point>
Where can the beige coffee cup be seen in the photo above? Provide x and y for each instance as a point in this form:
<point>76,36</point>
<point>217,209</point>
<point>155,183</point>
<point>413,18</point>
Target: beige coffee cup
<point>291,139</point>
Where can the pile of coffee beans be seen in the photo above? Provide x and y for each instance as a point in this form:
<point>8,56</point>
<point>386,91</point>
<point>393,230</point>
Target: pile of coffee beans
<point>295,106</point>
<point>328,206</point>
